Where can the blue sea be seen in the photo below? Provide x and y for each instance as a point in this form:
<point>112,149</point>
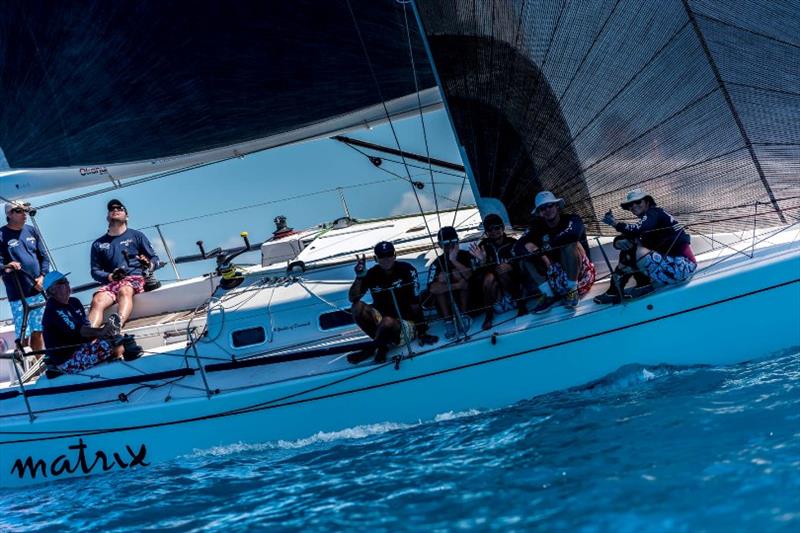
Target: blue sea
<point>645,449</point>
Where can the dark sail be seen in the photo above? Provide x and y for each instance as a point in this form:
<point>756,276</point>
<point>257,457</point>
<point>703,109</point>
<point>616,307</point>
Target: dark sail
<point>698,102</point>
<point>92,82</point>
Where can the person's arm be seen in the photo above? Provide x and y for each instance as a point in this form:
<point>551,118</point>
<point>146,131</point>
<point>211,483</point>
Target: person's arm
<point>41,253</point>
<point>145,249</point>
<point>360,285</point>
<point>463,271</point>
<point>570,234</point>
<point>630,231</point>
<point>98,272</point>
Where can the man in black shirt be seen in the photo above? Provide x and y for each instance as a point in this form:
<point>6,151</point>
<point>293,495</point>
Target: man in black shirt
<point>495,270</point>
<point>557,250</point>
<point>659,248</point>
<point>451,272</point>
<point>395,315</point>
<point>73,345</point>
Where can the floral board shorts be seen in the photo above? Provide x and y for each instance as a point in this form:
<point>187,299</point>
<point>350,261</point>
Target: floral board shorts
<point>557,277</point>
<point>86,356</point>
<point>136,282</point>
<point>34,317</point>
<point>408,330</point>
<point>665,269</point>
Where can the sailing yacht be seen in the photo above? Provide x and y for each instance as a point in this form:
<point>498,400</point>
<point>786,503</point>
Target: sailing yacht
<point>582,99</point>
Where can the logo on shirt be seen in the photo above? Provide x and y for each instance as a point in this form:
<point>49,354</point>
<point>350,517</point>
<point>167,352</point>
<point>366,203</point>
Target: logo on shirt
<point>104,245</point>
<point>126,242</point>
<point>13,243</point>
<point>66,318</point>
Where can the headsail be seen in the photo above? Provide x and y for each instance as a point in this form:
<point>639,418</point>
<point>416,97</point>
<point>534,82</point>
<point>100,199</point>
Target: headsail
<point>95,90</point>
<point>697,101</point>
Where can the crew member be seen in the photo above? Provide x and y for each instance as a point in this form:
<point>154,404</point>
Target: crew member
<point>556,251</point>
<point>395,316</point>
<point>450,282</point>
<point>119,259</point>
<point>495,270</point>
<point>25,258</point>
<point>663,249</point>
<point>66,331</point>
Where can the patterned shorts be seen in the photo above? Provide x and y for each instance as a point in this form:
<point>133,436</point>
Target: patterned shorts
<point>34,317</point>
<point>408,330</point>
<point>665,269</point>
<point>86,356</point>
<point>137,282</point>
<point>557,277</point>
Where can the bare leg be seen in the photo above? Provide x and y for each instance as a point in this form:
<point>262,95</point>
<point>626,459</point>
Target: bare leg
<point>37,341</point>
<point>490,293</point>
<point>125,301</point>
<point>364,317</point>
<point>100,302</point>
<point>571,260</point>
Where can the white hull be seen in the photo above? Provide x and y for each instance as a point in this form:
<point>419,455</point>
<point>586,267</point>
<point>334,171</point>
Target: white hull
<point>698,323</point>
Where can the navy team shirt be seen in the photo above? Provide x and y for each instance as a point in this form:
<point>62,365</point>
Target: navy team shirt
<point>107,254</point>
<point>25,246</point>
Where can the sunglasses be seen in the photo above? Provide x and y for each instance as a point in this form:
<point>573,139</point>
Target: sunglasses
<point>451,242</point>
<point>494,228</point>
<point>18,210</point>
<point>383,256</point>
<point>547,206</point>
<point>116,208</point>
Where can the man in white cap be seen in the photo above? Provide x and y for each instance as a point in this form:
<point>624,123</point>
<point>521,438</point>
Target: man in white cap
<point>25,258</point>
<point>663,249</point>
<point>556,252</point>
<point>118,260</point>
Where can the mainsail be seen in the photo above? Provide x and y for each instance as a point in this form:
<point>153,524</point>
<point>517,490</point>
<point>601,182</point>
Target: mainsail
<point>94,91</point>
<point>696,101</point>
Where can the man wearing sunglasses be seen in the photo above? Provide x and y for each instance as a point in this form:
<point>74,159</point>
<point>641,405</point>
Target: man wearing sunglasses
<point>496,270</point>
<point>556,254</point>
<point>395,316</point>
<point>22,251</point>
<point>452,271</point>
<point>118,260</point>
<point>662,247</point>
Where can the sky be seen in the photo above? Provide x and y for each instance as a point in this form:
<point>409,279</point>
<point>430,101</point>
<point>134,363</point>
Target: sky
<point>272,177</point>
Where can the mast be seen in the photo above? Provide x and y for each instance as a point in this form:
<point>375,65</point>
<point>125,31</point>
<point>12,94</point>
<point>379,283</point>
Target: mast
<point>485,205</point>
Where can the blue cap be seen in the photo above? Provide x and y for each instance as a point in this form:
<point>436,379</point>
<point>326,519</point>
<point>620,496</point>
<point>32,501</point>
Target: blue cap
<point>52,277</point>
<point>384,249</point>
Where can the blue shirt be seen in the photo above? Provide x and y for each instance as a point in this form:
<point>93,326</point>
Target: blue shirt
<point>568,230</point>
<point>107,254</point>
<point>61,326</point>
<point>657,230</point>
<point>25,246</point>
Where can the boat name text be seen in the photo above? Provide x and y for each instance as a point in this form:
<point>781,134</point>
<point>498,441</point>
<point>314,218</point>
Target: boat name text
<point>79,461</point>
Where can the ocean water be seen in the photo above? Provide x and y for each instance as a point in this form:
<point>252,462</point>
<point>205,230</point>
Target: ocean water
<point>644,449</point>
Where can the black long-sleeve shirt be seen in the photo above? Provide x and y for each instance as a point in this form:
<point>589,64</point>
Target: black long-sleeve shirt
<point>657,230</point>
<point>568,230</point>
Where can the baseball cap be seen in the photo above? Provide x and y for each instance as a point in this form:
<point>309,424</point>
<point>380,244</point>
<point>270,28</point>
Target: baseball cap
<point>52,277</point>
<point>114,202</point>
<point>384,249</point>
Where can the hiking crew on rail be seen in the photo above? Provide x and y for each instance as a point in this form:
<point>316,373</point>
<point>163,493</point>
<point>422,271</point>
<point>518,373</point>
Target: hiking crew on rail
<point>656,246</point>
<point>395,316</point>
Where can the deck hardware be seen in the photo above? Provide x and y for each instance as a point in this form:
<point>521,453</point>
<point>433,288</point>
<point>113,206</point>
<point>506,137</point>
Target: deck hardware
<point>494,338</point>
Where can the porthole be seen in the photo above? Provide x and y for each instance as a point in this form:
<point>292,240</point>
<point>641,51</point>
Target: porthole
<point>248,337</point>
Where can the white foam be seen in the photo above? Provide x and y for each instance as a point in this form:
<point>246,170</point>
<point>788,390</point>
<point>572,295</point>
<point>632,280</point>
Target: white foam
<point>354,433</point>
